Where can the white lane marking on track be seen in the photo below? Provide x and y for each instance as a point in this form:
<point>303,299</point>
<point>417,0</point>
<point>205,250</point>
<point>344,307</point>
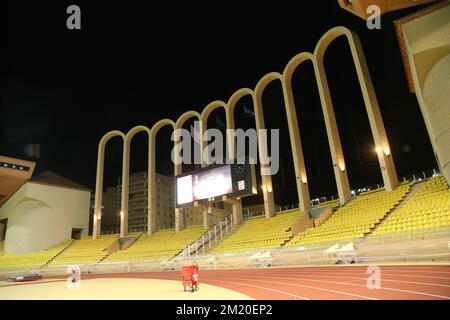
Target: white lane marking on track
<point>402,271</point>
<point>263,288</point>
<point>361,285</point>
<point>382,269</point>
<point>356,270</point>
<point>355,280</point>
<point>363,273</point>
<point>388,280</point>
<point>311,287</point>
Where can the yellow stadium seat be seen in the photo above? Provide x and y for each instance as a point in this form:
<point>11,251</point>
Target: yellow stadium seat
<point>31,260</point>
<point>427,209</point>
<point>355,219</point>
<point>161,244</point>
<point>259,233</point>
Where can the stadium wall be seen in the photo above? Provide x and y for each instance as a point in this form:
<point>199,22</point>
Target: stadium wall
<point>40,216</point>
<point>424,39</point>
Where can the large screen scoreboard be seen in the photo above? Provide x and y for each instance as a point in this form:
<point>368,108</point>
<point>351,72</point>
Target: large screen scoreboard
<point>211,183</point>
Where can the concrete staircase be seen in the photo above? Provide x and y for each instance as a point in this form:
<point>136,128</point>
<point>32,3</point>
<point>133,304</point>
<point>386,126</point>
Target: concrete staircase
<point>412,192</point>
<point>121,244</point>
<point>62,251</point>
<point>225,236</point>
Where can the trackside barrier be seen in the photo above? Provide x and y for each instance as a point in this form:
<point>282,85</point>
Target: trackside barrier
<point>420,234</point>
<point>431,250</point>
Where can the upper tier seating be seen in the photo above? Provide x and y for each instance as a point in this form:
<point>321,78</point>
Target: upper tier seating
<point>260,233</point>
<point>161,244</point>
<point>85,250</point>
<point>355,219</point>
<point>428,208</point>
<point>331,203</point>
<point>31,260</point>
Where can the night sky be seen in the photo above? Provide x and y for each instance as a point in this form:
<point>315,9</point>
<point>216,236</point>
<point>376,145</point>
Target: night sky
<point>132,65</point>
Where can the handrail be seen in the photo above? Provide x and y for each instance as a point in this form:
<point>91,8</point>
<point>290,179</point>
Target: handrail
<point>207,238</point>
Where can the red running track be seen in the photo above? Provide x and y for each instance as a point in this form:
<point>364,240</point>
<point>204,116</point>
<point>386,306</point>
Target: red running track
<point>405,282</point>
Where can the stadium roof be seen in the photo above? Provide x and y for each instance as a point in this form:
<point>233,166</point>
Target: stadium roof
<point>13,174</point>
<point>53,179</point>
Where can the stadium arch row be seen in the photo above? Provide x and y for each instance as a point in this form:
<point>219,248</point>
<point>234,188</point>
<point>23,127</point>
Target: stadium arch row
<point>385,160</point>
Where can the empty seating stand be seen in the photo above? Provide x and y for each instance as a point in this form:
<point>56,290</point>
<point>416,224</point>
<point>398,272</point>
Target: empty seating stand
<point>86,250</point>
<point>428,209</point>
<point>31,260</point>
<point>331,203</point>
<point>355,219</point>
<point>260,233</point>
<point>159,245</point>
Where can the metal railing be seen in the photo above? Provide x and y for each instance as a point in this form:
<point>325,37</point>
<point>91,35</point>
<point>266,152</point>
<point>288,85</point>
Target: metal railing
<point>214,234</point>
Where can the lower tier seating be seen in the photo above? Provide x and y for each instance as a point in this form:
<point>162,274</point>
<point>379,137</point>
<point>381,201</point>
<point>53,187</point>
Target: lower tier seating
<point>86,250</point>
<point>428,208</point>
<point>31,260</point>
<point>260,233</point>
<point>355,219</point>
<point>161,244</point>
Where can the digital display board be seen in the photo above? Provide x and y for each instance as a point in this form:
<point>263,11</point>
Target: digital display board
<point>214,182</point>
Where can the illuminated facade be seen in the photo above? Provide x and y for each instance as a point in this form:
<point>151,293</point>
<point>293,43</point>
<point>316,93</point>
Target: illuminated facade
<point>424,39</point>
<point>360,7</point>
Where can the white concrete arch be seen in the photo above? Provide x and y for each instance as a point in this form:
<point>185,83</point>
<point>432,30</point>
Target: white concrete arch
<point>269,205</point>
<point>385,160</point>
<point>294,133</point>
<point>151,221</point>
<point>372,108</point>
<point>178,168</point>
<point>217,104</point>
<point>204,122</point>
<point>236,96</point>
<point>301,177</point>
<point>231,105</point>
<point>334,141</point>
<point>185,117</point>
<point>126,176</point>
<point>99,179</point>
